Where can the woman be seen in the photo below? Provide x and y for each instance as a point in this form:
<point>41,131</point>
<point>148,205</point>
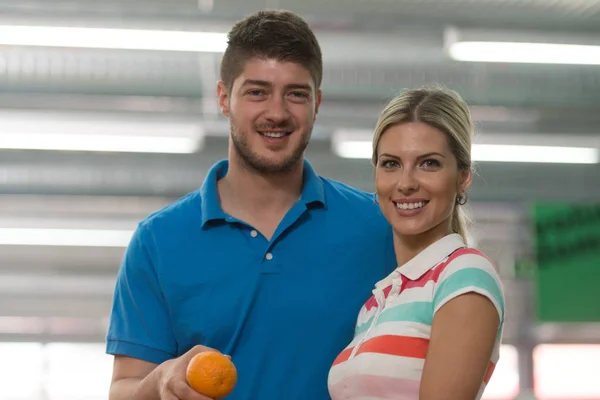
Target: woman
<point>432,329</point>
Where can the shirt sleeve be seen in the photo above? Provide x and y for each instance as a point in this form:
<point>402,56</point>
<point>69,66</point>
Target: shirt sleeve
<point>469,273</point>
<point>140,324</point>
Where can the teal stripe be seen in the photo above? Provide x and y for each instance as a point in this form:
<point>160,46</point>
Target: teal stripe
<point>420,312</point>
<point>469,277</point>
<point>362,328</point>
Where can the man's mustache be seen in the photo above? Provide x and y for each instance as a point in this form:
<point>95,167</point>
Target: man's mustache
<point>287,126</point>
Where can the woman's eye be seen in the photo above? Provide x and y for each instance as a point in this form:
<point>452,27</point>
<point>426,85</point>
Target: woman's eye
<point>389,164</point>
<point>431,164</point>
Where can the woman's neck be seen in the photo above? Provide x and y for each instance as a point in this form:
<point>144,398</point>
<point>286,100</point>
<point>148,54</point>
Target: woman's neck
<point>408,247</point>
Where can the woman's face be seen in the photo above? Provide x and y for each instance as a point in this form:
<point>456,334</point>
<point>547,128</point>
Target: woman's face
<point>417,179</point>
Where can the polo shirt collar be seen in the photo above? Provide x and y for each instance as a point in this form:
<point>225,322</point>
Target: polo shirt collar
<point>209,195</point>
<point>431,256</point>
<point>313,192</point>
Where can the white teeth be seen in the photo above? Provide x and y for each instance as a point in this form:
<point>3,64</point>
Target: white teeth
<point>409,206</point>
<point>273,134</point>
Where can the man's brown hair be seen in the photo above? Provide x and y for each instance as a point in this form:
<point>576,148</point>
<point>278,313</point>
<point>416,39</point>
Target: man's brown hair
<point>271,34</point>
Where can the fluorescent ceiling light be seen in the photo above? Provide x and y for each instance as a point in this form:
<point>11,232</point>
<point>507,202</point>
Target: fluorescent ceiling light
<point>39,131</point>
<point>64,237</point>
<point>354,148</point>
<point>534,53</point>
<point>483,45</point>
<point>105,143</point>
<point>534,154</point>
<point>101,38</point>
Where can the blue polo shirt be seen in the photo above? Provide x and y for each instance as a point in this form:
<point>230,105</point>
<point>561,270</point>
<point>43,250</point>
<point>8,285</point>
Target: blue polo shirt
<point>282,308</point>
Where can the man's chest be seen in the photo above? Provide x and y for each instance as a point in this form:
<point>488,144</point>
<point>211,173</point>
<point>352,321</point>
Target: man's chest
<point>217,296</point>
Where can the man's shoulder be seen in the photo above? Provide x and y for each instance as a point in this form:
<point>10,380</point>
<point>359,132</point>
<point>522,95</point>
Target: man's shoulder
<point>339,193</point>
<point>355,204</point>
<point>185,209</point>
<point>337,190</point>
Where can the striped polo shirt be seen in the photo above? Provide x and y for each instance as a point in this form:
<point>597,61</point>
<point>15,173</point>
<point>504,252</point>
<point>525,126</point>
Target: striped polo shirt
<point>386,357</point>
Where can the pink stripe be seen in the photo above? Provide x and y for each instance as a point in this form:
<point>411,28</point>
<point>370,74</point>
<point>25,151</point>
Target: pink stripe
<point>372,302</point>
<point>380,387</point>
<point>434,273</point>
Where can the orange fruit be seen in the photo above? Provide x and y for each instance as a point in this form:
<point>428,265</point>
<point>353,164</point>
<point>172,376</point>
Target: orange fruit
<point>211,374</point>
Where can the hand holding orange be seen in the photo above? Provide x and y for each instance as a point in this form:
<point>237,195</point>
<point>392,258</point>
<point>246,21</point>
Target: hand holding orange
<point>211,374</point>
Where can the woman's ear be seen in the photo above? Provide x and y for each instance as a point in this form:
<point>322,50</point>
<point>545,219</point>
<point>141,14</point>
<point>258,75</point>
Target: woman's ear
<point>465,178</point>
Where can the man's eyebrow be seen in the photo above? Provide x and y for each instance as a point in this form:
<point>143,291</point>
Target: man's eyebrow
<point>256,82</point>
<point>303,86</point>
<point>262,83</point>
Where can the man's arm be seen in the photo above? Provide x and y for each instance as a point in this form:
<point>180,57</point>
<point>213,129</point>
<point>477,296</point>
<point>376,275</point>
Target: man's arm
<point>140,335</point>
<point>135,379</point>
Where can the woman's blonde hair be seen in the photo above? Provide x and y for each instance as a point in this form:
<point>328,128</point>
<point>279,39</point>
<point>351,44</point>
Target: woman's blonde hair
<point>444,110</point>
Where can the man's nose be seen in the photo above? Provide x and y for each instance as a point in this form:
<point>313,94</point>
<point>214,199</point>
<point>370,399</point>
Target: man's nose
<point>277,110</point>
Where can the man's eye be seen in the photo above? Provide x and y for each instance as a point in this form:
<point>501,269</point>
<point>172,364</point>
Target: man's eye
<point>300,94</point>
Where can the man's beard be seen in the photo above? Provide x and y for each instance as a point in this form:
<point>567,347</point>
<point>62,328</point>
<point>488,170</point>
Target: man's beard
<point>261,164</point>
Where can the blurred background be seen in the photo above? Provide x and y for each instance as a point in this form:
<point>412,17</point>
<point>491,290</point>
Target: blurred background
<point>100,126</point>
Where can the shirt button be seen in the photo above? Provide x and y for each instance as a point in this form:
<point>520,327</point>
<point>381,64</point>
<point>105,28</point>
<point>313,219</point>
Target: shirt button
<point>253,233</point>
<point>269,256</point>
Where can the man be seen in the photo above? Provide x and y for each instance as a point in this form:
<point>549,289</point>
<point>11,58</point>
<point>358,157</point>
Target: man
<point>267,262</point>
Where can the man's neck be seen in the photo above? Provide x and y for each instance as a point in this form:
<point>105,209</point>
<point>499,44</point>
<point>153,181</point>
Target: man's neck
<point>252,192</point>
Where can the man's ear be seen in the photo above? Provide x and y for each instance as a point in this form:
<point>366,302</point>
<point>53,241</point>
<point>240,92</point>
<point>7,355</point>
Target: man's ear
<point>223,96</point>
<point>318,102</point>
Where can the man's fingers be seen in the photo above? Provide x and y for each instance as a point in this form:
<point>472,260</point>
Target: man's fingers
<point>184,392</point>
<point>195,350</point>
<point>199,349</point>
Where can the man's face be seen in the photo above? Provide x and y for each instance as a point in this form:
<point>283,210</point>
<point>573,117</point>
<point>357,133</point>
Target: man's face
<point>272,106</point>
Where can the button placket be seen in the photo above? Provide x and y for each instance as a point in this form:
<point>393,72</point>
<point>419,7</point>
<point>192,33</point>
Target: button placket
<point>395,291</point>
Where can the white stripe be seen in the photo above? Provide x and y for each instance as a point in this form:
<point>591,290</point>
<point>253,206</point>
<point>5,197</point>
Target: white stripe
<point>414,294</point>
<point>496,352</point>
<point>366,398</point>
<point>356,339</point>
<point>384,365</point>
<point>402,328</point>
<point>339,372</point>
